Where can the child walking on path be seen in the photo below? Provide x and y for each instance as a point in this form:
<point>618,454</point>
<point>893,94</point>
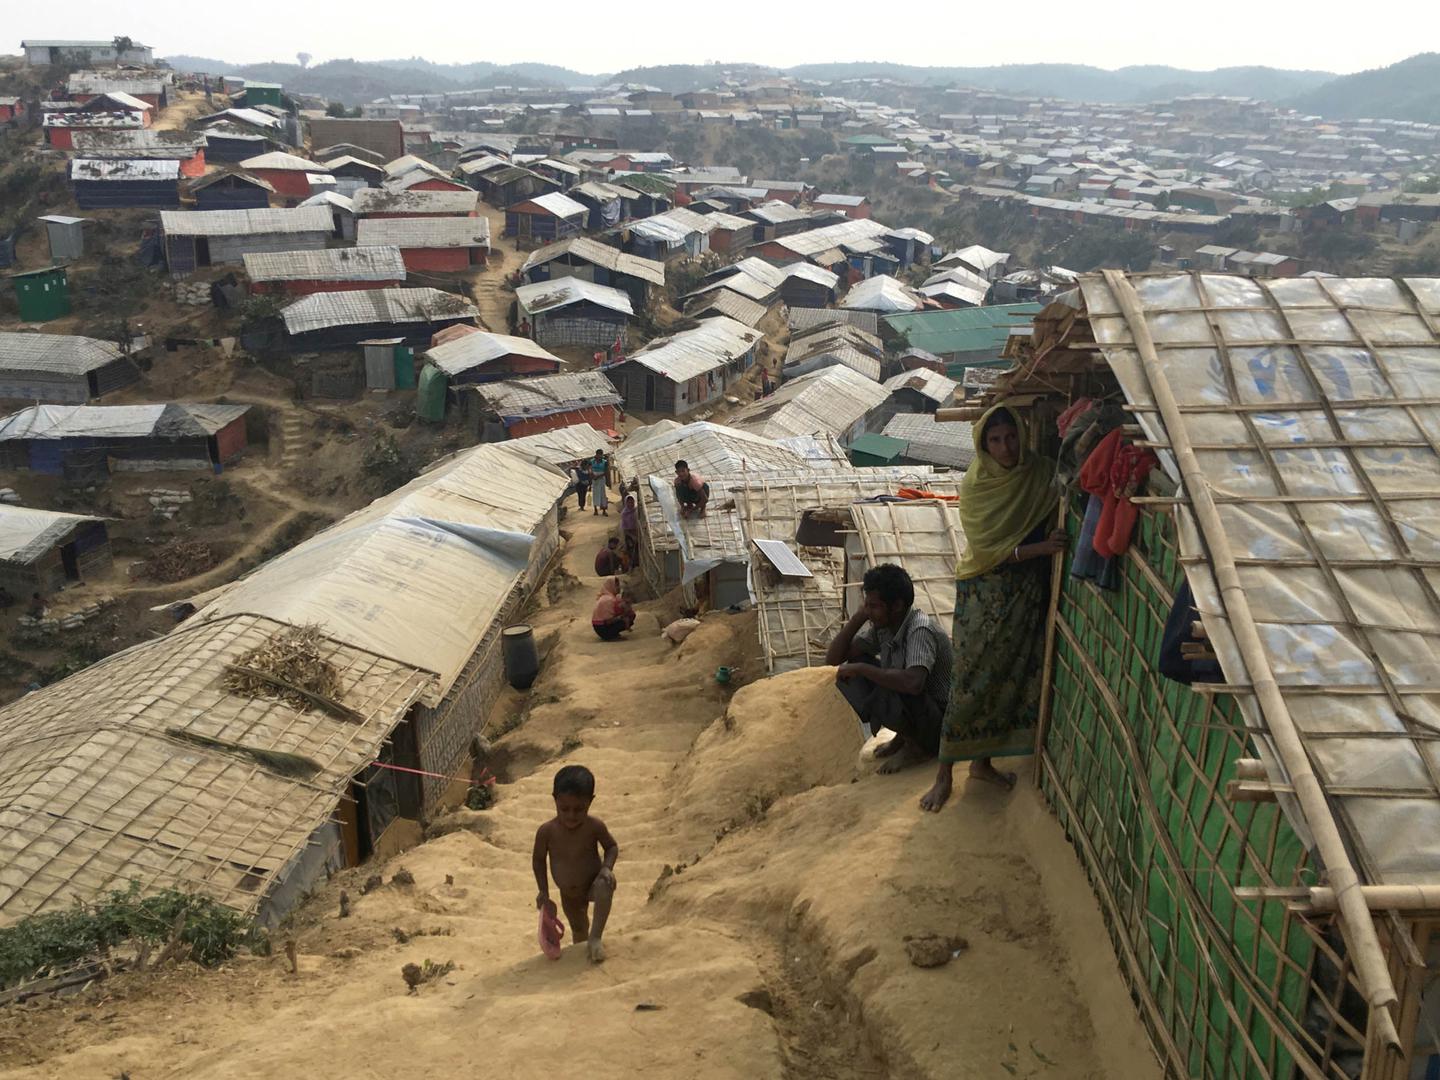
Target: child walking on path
<point>582,856</point>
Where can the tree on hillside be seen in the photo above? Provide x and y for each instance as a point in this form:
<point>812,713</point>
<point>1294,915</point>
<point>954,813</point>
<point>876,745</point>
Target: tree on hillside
<point>336,108</point>
<point>304,58</point>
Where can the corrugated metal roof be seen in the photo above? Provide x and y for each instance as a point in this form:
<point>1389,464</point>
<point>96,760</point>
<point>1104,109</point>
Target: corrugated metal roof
<point>829,401</point>
<point>374,263</point>
<point>543,296</point>
<point>776,212</point>
<point>278,159</point>
<point>733,306</point>
<point>363,306</point>
<point>392,201</point>
<point>257,222</point>
<point>26,533</point>
<point>691,353</point>
<point>562,206</point>
<point>816,274</point>
<point>772,277</point>
<point>66,354</point>
<point>809,318</point>
<point>815,241</point>
<point>593,251</point>
<point>425,232</point>
<point>962,330</point>
<point>931,384</point>
<point>545,395</point>
<point>124,169</point>
<point>470,351</point>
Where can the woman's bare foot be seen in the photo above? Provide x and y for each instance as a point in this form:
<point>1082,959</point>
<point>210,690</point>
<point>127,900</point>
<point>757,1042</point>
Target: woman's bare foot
<point>894,746</point>
<point>935,798</point>
<point>909,755</point>
<point>595,951</point>
<point>982,769</point>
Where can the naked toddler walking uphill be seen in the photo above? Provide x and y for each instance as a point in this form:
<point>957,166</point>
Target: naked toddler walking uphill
<point>582,856</point>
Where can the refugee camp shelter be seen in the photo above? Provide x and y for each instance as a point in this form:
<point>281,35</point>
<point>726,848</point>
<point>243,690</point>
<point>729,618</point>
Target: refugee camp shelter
<point>42,550</point>
<point>572,311</point>
<point>1257,810</point>
<point>196,238</point>
<point>481,356</point>
<point>299,273</point>
<point>340,320</point>
<point>542,402</point>
<point>582,257</point>
<point>373,202</point>
<point>963,337</point>
<point>920,390</point>
<point>545,219</point>
<point>182,789</point>
<point>76,440</point>
<point>118,184</point>
<point>684,371</point>
<point>433,244</point>
<point>234,190</point>
<point>287,173</point>
<point>832,401</point>
<point>882,294</point>
<point>61,368</point>
<point>926,442</point>
<point>836,343</point>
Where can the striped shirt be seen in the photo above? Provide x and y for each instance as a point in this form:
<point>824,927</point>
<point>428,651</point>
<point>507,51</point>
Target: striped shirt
<point>917,642</point>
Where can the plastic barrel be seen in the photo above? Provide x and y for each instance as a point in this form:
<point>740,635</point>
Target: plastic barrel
<point>522,662</point>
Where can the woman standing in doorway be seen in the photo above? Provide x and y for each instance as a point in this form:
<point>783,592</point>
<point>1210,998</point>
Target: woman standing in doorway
<point>1001,596</point>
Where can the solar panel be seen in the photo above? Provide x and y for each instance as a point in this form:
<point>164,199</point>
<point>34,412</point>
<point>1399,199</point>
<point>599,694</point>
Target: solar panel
<point>782,558</point>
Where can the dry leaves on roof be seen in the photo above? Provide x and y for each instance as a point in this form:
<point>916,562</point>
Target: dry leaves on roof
<point>290,667</point>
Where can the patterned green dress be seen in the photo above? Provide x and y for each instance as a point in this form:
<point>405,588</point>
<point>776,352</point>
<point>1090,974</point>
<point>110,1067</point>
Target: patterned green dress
<point>999,644</point>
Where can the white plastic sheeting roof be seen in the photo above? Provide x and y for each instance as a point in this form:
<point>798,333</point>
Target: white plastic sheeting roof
<point>263,221</point>
<point>543,296</point>
<point>480,348</point>
<point>691,353</point>
<point>882,293</point>
<point>454,540</point>
<point>362,306</point>
<point>823,402</point>
<point>27,533</point>
<point>376,263</point>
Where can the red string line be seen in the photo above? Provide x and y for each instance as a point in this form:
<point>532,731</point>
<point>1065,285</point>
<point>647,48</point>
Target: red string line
<point>485,777</point>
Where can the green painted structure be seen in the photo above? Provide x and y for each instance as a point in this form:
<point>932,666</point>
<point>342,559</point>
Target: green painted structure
<point>967,337</point>
<point>872,449</point>
<point>258,93</point>
<point>43,294</point>
<point>430,394</point>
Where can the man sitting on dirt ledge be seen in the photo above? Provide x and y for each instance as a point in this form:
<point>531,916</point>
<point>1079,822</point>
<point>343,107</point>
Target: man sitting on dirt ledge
<point>893,666</point>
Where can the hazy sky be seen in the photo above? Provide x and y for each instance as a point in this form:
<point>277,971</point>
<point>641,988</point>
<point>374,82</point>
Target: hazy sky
<point>1322,34</point>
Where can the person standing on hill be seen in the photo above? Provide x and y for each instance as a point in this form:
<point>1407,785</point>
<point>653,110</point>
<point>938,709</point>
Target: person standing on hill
<point>581,475</point>
<point>599,478</point>
<point>892,664</point>
<point>1002,592</point>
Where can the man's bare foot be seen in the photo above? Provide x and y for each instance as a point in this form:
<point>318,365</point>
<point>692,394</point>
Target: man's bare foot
<point>983,770</point>
<point>595,951</point>
<point>936,797</point>
<point>894,746</point>
<point>909,755</point>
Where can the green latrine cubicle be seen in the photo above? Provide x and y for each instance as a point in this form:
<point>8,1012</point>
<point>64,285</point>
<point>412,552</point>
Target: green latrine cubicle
<point>43,294</point>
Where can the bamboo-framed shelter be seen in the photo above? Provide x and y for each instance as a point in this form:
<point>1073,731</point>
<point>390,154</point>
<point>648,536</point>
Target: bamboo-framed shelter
<point>798,616</point>
<point>1264,848</point>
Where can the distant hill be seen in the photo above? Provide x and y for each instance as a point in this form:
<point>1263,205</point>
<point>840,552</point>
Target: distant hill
<point>1409,90</point>
<point>678,78</point>
<point>355,81</point>
<point>1080,82</point>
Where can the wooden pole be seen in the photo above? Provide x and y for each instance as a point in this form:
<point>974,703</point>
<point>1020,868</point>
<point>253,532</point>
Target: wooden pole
<point>1371,970</point>
<point>1047,695</point>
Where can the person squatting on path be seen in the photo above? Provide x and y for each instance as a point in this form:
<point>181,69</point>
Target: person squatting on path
<point>691,491</point>
<point>1001,597</point>
<point>610,559</point>
<point>893,666</point>
<point>599,477</point>
<point>613,614</point>
<point>582,856</point>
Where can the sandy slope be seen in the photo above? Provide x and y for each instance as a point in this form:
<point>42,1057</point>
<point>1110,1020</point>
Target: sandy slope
<point>775,951</point>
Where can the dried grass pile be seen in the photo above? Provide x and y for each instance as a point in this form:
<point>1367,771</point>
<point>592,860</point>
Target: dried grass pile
<point>290,667</point>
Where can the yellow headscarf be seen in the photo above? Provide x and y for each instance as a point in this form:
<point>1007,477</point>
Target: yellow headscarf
<point>999,506</point>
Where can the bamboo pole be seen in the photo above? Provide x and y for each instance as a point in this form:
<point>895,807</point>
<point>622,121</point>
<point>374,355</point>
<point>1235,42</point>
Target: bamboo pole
<point>1047,672</point>
<point>1322,898</point>
<point>1371,970</point>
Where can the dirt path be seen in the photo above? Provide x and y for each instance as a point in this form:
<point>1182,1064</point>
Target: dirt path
<point>757,931</point>
<point>491,296</point>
